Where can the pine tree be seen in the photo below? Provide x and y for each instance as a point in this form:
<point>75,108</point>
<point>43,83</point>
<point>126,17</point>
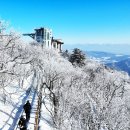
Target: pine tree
<point>77,57</point>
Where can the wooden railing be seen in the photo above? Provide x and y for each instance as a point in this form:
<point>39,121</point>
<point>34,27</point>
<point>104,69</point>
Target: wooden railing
<point>38,112</point>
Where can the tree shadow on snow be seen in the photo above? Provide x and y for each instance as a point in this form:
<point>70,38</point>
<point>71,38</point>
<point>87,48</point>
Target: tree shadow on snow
<point>17,114</point>
<point>48,121</point>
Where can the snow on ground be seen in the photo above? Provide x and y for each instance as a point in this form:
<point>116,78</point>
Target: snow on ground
<point>46,122</point>
<point>33,100</point>
<point>10,111</point>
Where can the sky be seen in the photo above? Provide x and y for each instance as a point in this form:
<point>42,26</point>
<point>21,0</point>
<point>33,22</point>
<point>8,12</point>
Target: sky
<point>75,21</point>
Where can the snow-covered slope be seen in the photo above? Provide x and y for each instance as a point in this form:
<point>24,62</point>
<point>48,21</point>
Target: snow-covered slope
<point>92,97</point>
<point>10,111</point>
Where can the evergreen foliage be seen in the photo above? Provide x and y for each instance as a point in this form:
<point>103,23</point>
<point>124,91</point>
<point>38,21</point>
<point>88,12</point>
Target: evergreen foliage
<point>77,57</point>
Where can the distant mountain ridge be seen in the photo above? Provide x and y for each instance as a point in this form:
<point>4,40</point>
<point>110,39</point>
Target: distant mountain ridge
<point>121,65</point>
<point>116,61</point>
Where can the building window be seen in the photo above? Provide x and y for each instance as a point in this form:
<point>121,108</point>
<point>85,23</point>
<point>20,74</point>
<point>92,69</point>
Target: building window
<point>48,36</point>
<point>54,45</point>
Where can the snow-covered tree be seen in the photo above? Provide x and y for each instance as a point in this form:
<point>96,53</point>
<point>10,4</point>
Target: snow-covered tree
<point>91,97</point>
<point>66,54</point>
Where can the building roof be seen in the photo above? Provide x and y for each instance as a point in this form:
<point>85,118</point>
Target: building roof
<point>59,41</point>
<point>42,28</point>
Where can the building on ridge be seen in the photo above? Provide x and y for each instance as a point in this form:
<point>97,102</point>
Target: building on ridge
<point>44,37</point>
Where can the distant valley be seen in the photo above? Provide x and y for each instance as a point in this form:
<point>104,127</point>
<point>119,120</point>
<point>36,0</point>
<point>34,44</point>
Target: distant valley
<point>116,61</point>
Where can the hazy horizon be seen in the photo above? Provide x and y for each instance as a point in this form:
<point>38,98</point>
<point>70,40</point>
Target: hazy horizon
<point>75,21</point>
<point>111,48</point>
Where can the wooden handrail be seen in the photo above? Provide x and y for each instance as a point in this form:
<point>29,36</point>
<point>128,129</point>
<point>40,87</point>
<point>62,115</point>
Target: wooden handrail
<point>37,116</point>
